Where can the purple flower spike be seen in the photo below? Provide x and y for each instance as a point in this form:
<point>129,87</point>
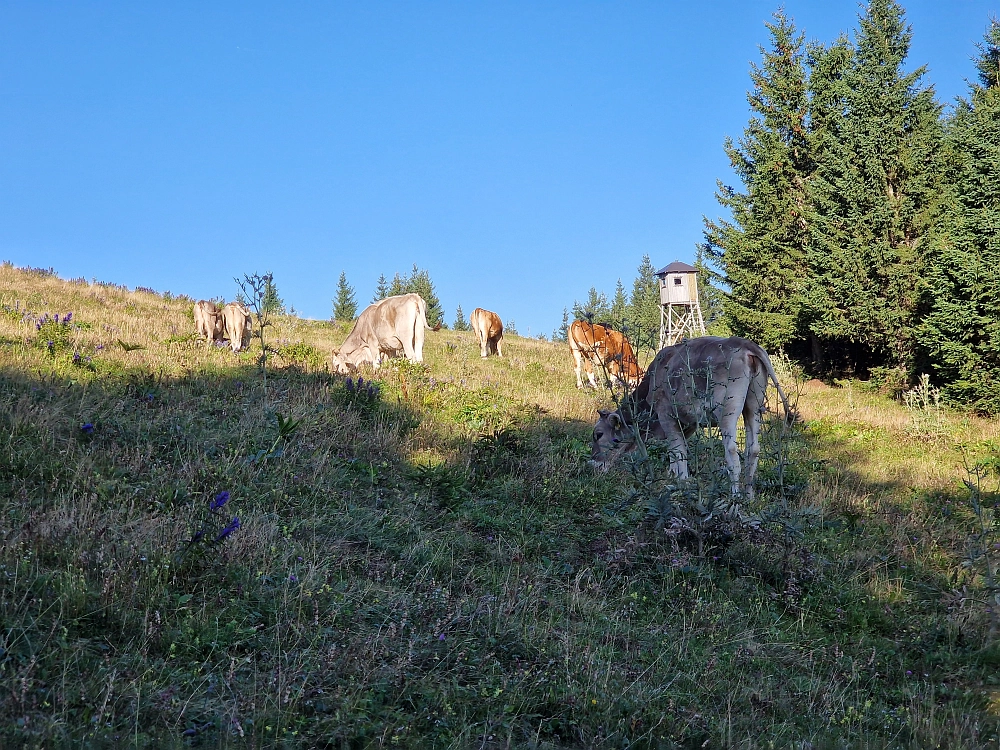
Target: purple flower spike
<point>68,318</point>
<point>229,529</point>
<point>57,317</point>
<point>349,385</point>
<point>361,383</point>
<point>221,499</point>
<point>87,428</point>
<point>76,358</point>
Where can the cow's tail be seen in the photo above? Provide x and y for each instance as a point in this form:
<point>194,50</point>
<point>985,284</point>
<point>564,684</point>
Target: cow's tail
<point>773,377</point>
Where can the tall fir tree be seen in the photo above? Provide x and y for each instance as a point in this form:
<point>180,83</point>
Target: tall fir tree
<point>761,252</point>
<point>873,201</point>
<point>398,286</point>
<point>419,281</point>
<point>271,301</point>
<point>595,308</point>
<point>561,334</point>
<point>960,336</point>
<point>619,308</point>
<point>381,289</point>
<point>345,307</point>
<point>644,307</point>
<point>460,324</point>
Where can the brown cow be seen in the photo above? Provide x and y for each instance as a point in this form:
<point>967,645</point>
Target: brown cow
<point>599,347</point>
<point>208,321</point>
<point>236,325</point>
<point>389,326</point>
<point>698,382</point>
<point>489,330</point>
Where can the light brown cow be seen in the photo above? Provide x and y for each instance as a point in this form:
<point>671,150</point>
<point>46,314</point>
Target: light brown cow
<point>237,325</point>
<point>601,348</point>
<point>489,330</point>
<point>208,321</point>
<point>387,327</point>
<point>696,383</point>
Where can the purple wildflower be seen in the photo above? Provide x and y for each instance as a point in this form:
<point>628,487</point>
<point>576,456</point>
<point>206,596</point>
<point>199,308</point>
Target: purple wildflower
<point>372,390</point>
<point>68,318</point>
<point>198,535</point>
<point>221,499</point>
<point>361,383</point>
<point>229,529</point>
<point>349,385</point>
<point>441,637</point>
<point>57,317</point>
<point>76,358</point>
<point>293,578</point>
<point>87,428</point>
<point>99,347</point>
<point>50,344</point>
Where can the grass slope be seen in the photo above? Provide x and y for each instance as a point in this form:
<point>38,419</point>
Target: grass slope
<point>432,564</point>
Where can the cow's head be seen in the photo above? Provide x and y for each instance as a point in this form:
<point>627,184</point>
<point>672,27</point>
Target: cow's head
<point>612,437</point>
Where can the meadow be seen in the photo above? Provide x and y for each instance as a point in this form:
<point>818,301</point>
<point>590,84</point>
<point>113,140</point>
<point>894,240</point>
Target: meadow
<point>424,558</point>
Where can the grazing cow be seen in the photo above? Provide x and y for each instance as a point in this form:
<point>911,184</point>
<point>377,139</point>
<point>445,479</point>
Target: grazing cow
<point>598,346</point>
<point>208,321</point>
<point>489,330</point>
<point>236,325</point>
<point>698,382</point>
<point>387,327</point>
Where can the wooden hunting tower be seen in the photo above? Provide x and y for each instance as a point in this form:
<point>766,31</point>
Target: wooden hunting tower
<point>680,311</point>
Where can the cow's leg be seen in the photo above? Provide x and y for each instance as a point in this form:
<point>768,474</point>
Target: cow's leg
<point>499,341</point>
<point>590,373</point>
<point>484,344</point>
<point>578,358</point>
<point>676,445</point>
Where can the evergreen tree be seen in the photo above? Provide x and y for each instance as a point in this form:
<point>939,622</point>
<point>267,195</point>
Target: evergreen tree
<point>644,307</point>
<point>382,289</point>
<point>510,327</point>
<point>762,251</point>
<point>562,332</point>
<point>345,308</point>
<point>619,308</point>
<point>419,281</point>
<point>460,324</point>
<point>271,302</point>
<point>711,298</point>
<point>873,200</point>
<point>397,287</point>
<point>960,336</point>
<point>595,309</point>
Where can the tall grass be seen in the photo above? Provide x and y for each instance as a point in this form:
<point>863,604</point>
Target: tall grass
<point>434,565</point>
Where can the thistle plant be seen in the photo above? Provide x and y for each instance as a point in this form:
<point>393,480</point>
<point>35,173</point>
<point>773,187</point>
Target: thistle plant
<point>255,291</point>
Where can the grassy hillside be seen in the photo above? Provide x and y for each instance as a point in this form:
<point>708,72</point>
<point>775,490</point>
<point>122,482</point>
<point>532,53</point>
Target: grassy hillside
<point>430,562</point>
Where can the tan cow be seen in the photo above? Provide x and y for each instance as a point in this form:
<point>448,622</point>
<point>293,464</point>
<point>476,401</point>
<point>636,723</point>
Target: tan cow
<point>489,330</point>
<point>236,325</point>
<point>387,327</point>
<point>698,382</point>
<point>208,321</point>
<point>600,347</point>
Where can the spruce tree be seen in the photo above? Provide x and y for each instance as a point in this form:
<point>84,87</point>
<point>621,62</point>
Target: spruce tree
<point>960,336</point>
<point>271,301</point>
<point>562,332</point>
<point>345,307</point>
<point>397,287</point>
<point>761,252</point>
<point>460,324</point>
<point>381,289</point>
<point>419,281</point>
<point>595,309</point>
<point>644,307</point>
<point>619,308</point>
<point>873,200</point>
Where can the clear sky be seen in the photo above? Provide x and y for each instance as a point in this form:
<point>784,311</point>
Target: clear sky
<point>520,151</point>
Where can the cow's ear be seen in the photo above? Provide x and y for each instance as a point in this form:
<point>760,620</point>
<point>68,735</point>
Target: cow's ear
<point>603,412</point>
<point>616,420</point>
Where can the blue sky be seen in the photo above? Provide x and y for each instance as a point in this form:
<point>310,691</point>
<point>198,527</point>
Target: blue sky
<point>521,152</point>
